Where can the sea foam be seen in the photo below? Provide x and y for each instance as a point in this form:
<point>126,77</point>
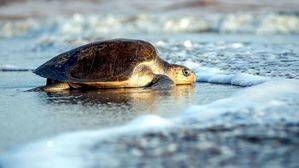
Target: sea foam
<point>87,26</point>
<point>216,76</point>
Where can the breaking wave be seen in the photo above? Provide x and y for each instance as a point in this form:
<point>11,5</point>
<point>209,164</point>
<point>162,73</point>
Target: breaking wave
<point>90,26</point>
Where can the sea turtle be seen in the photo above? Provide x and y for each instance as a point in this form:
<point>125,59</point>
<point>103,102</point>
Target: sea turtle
<point>117,63</point>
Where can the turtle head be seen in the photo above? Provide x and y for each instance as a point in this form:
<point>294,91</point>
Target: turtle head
<point>180,74</point>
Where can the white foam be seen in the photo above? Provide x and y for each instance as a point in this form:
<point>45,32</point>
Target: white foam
<point>216,76</point>
<point>238,79</point>
<point>13,68</point>
<point>263,103</point>
<point>151,121</point>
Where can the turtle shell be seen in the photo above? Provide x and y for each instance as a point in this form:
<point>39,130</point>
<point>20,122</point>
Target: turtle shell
<point>112,60</point>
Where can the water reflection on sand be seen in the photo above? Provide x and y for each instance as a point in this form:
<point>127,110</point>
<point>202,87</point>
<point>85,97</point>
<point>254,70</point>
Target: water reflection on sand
<point>137,100</point>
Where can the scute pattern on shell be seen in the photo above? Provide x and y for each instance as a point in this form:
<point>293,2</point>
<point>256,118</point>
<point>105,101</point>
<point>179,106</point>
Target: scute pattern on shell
<point>111,60</point>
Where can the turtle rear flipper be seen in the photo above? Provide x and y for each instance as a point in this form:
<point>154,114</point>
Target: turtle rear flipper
<point>161,82</point>
<point>57,87</point>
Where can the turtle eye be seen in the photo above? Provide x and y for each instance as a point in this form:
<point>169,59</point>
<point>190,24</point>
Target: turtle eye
<point>186,72</point>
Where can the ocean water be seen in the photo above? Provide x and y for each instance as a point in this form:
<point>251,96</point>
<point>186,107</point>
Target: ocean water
<point>242,111</point>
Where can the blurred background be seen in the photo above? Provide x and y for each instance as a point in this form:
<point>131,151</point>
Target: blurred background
<point>89,19</point>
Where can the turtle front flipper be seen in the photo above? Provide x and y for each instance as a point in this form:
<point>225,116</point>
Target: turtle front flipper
<point>161,82</point>
<point>57,87</point>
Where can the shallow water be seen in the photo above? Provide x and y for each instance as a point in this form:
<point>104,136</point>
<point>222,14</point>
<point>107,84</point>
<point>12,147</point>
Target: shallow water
<point>27,116</point>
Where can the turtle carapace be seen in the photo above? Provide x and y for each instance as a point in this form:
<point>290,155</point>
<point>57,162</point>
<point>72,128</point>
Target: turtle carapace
<point>117,63</point>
